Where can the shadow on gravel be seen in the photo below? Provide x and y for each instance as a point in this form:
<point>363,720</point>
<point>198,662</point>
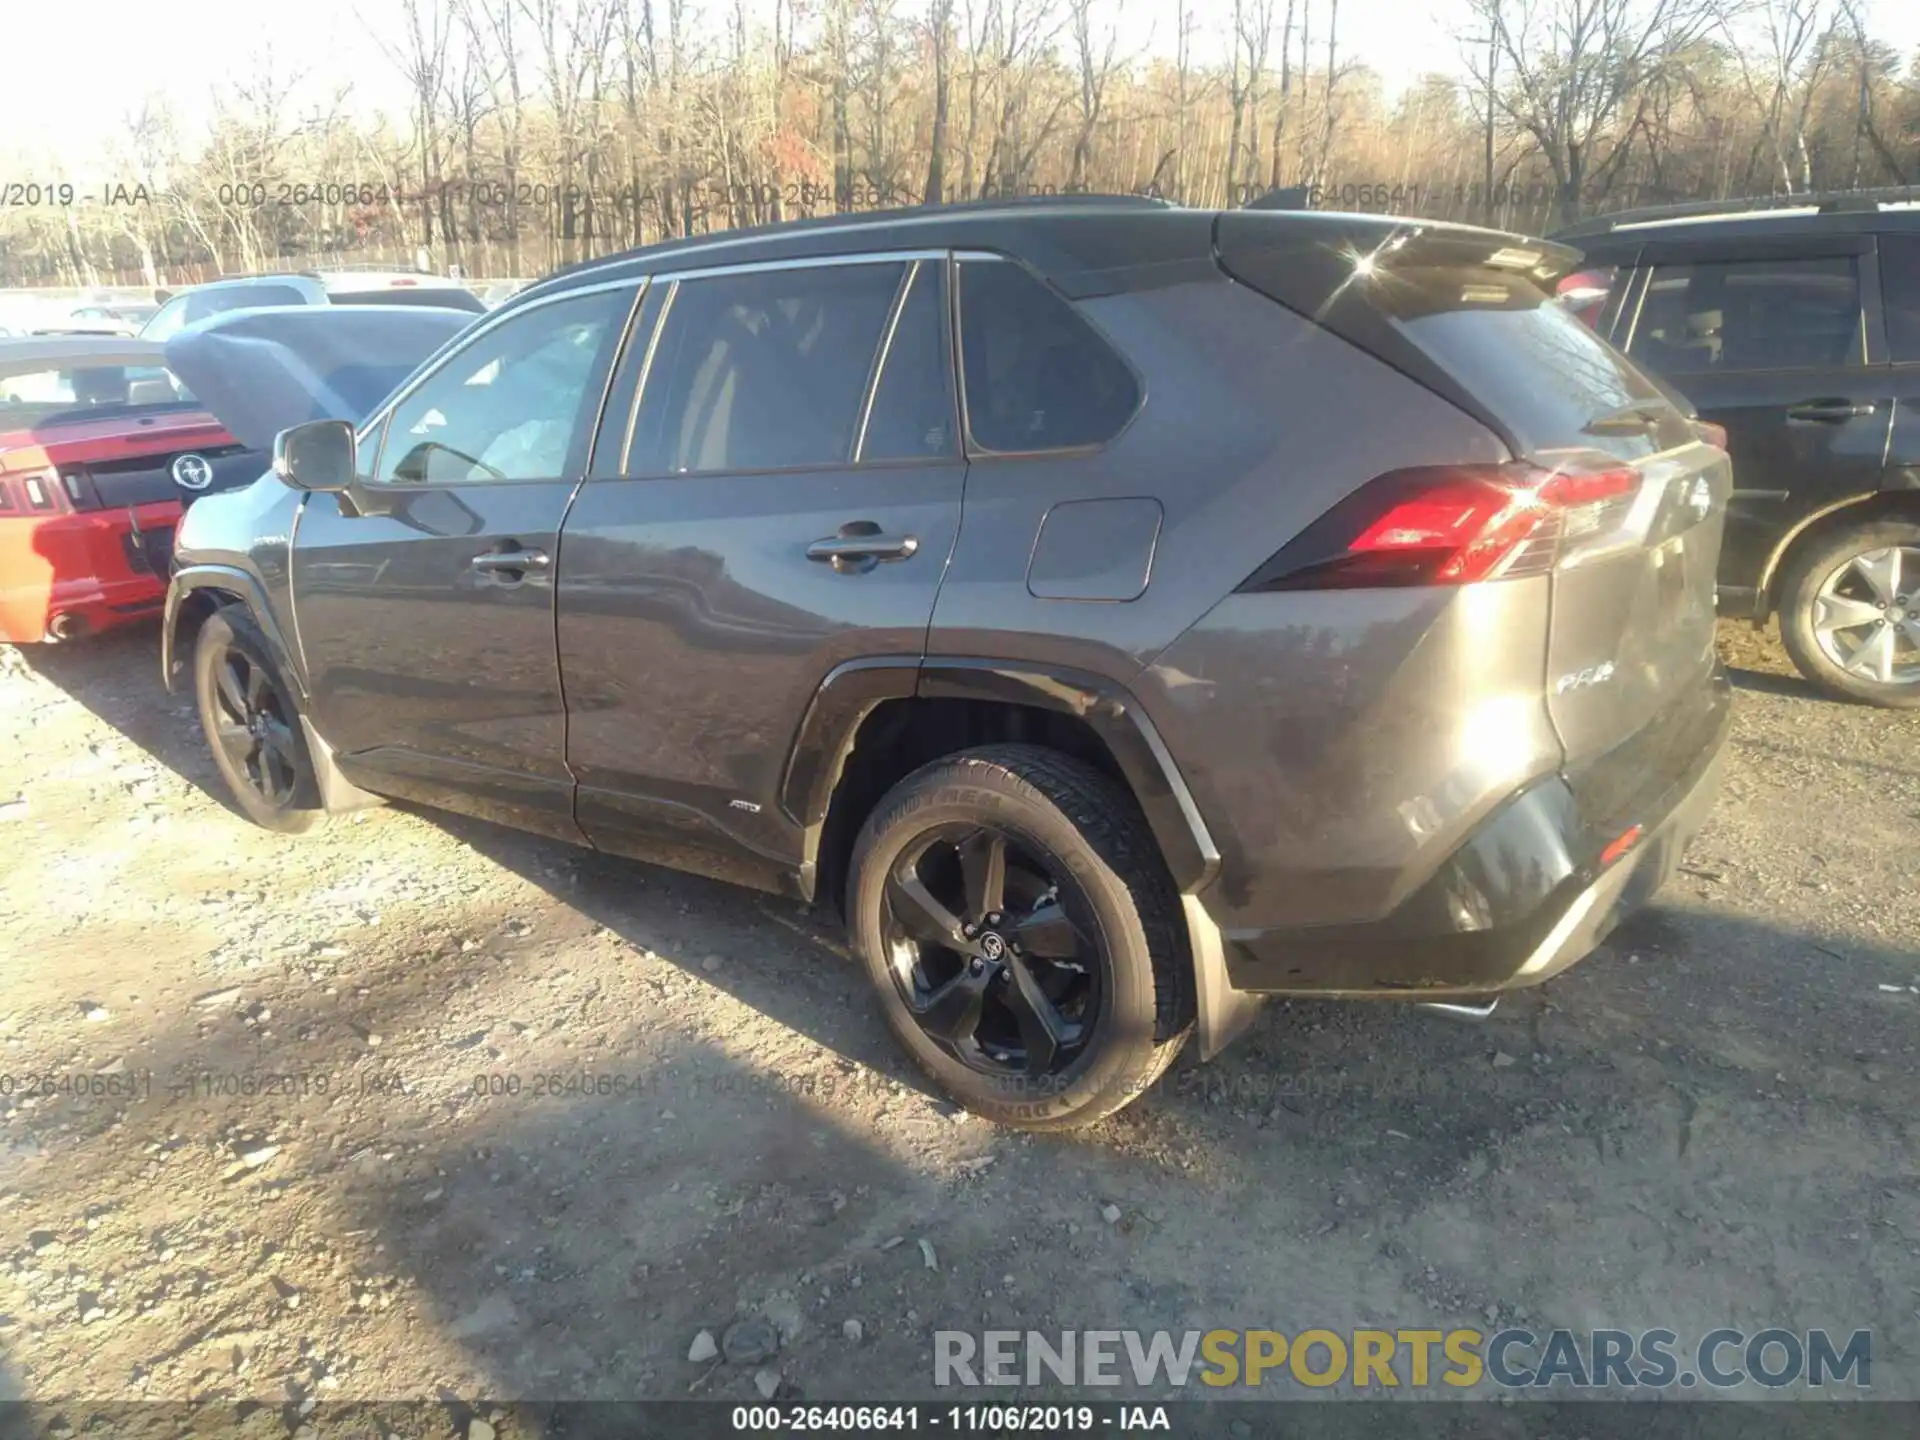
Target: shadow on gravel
<point>1769,682</point>
<point>116,675</point>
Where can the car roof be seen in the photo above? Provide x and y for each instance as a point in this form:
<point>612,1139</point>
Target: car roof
<point>1895,211</point>
<point>1087,245</point>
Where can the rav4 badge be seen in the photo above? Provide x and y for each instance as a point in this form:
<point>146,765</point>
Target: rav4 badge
<point>1581,679</point>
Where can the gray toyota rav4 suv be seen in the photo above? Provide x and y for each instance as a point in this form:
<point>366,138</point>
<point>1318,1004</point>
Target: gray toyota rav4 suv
<point>1119,612</point>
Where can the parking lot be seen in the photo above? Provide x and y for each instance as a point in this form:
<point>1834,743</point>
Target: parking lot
<point>305,1118</point>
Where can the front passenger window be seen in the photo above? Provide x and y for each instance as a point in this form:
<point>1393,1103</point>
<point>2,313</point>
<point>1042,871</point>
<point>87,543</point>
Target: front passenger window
<point>515,404</point>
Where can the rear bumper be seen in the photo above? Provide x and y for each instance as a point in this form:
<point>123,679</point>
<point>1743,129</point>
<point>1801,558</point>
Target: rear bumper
<point>79,574</point>
<point>1525,896</point>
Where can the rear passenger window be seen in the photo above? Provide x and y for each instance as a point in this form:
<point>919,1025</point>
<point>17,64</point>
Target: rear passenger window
<point>1900,283</point>
<point>912,415</point>
<point>763,370</point>
<point>1037,375</point>
<point>1750,315</point>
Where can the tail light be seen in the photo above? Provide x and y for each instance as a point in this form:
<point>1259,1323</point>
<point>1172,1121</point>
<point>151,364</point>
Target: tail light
<point>1711,433</point>
<point>34,493</point>
<point>1452,525</point>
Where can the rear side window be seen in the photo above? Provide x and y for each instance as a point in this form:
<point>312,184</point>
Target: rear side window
<point>1037,375</point>
<point>763,370</point>
<point>1527,357</point>
<point>1900,283</point>
<point>1750,315</point>
<point>912,414</point>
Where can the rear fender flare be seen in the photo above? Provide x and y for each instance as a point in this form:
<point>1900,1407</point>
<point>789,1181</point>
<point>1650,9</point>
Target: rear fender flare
<point>851,692</point>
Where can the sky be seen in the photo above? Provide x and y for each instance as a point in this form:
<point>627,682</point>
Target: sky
<point>105,56</point>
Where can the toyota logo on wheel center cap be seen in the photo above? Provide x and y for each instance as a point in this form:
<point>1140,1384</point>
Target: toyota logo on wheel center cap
<point>192,472</point>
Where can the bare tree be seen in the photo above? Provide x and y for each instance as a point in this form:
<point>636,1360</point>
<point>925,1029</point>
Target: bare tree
<point>939,28</point>
<point>1285,101</point>
<point>1577,73</point>
<point>1795,54</point>
<point>1094,61</point>
<point>670,102</point>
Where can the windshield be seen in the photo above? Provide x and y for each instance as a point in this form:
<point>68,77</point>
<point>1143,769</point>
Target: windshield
<point>75,395</point>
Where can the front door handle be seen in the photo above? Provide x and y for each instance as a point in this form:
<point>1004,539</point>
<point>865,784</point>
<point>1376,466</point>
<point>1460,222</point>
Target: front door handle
<point>510,564</point>
<point>1828,412</point>
<point>860,545</point>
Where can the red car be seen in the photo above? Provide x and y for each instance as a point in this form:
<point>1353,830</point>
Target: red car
<point>101,450</point>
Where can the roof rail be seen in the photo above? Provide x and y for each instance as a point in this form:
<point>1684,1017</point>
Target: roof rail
<point>1829,202</point>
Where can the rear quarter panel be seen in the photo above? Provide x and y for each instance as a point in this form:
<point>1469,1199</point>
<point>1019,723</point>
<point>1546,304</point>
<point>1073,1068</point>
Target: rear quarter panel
<point>1337,744</point>
<point>1254,422</point>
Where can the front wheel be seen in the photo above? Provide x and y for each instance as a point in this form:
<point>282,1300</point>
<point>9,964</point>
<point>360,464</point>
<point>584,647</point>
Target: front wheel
<point>1022,935</point>
<point>1850,613</point>
<point>253,726</point>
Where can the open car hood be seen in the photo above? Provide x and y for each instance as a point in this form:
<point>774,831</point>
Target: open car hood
<point>262,371</point>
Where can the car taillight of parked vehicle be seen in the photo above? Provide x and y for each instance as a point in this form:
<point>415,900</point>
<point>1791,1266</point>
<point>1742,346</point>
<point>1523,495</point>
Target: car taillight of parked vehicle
<point>1714,435</point>
<point>1455,525</point>
<point>1584,293</point>
<point>34,493</point>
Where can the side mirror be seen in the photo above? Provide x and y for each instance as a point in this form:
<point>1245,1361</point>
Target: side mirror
<point>318,456</point>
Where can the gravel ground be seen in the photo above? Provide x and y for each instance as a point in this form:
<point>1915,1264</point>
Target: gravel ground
<point>272,1130</point>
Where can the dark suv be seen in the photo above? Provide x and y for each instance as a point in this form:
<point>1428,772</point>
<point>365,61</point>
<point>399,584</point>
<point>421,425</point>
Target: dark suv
<point>1796,328</point>
<point>1119,611</point>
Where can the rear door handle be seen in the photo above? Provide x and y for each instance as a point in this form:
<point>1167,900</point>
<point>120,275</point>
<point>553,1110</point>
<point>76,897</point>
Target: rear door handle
<point>1828,412</point>
<point>510,565</point>
<point>860,546</point>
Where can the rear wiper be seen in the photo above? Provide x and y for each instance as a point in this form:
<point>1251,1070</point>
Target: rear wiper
<point>1634,418</point>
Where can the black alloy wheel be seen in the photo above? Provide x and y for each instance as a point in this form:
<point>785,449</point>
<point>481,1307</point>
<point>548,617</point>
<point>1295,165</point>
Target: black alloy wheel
<point>1023,937</point>
<point>986,951</point>
<point>252,728</point>
<point>253,725</point>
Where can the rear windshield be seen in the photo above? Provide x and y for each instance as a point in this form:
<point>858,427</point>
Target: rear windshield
<point>1524,355</point>
<point>445,299</point>
<point>75,395</point>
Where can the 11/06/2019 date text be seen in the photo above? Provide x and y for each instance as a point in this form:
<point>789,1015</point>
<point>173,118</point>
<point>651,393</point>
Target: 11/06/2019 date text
<point>961,1419</point>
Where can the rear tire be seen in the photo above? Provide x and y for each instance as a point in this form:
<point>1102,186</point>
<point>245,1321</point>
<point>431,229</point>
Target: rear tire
<point>1839,579</point>
<point>1074,992</point>
<point>252,726</point>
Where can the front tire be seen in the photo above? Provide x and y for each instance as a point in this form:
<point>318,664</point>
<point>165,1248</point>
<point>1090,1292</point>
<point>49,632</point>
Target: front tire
<point>253,726</point>
<point>1850,613</point>
<point>1022,935</point>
